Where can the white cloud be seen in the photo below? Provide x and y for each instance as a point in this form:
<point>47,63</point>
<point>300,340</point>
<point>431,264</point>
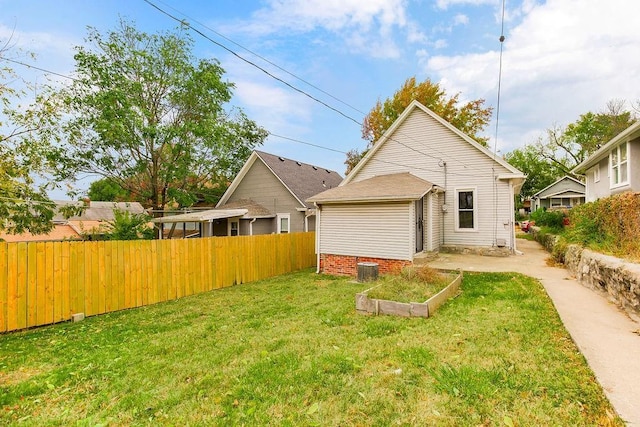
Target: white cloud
<point>460,19</point>
<point>365,26</point>
<point>444,4</point>
<point>565,58</point>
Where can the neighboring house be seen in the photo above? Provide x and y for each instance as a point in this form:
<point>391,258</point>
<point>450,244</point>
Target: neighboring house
<point>93,219</point>
<point>267,196</point>
<point>614,167</point>
<point>274,190</point>
<point>424,186</point>
<point>565,193</point>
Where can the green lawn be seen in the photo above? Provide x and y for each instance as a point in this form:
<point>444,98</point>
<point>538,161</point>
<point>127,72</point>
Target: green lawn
<point>292,351</point>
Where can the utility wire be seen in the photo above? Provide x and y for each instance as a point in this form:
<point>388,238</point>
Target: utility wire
<point>253,64</point>
<point>39,69</point>
<point>263,58</point>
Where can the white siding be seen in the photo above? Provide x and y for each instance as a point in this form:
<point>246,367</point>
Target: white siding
<point>420,146</point>
<point>433,220</point>
<point>380,230</point>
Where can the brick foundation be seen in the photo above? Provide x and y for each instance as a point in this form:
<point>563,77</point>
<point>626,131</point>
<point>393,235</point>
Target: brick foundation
<point>345,265</point>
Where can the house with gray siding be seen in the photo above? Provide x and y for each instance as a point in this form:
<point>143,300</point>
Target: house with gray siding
<point>424,187</point>
<point>273,190</point>
<point>565,193</point>
<point>614,167</point>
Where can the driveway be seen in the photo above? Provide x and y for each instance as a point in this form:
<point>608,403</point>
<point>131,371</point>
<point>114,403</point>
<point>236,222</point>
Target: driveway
<point>608,339</point>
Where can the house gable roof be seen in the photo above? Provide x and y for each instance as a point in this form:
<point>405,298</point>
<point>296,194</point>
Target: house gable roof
<point>557,182</point>
<point>302,180</point>
<point>97,211</point>
<point>383,188</point>
<point>628,134</point>
<point>388,135</point>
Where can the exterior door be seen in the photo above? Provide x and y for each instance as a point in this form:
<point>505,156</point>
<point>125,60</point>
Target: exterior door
<point>419,225</point>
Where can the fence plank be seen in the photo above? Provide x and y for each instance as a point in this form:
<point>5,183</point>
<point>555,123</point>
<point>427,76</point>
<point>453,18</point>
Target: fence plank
<point>31,285</point>
<point>12,287</point>
<point>65,278</point>
<point>21,295</point>
<point>4,286</point>
<point>56,281</point>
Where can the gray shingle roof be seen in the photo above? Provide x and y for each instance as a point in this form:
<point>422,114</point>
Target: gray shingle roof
<point>388,188</point>
<point>304,180</point>
<point>254,209</point>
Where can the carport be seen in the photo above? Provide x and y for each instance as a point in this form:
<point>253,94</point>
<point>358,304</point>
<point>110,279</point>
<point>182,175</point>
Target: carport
<point>213,222</point>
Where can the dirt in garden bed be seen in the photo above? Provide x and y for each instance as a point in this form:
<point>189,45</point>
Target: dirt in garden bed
<point>412,284</point>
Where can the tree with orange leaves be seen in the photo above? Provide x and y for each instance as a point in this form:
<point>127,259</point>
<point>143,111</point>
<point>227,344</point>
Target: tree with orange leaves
<point>470,117</point>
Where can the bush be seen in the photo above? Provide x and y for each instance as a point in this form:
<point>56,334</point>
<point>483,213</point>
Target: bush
<point>611,225</point>
<point>551,219</point>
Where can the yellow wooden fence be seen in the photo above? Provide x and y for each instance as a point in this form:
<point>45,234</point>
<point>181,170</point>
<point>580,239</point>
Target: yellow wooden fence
<point>48,282</point>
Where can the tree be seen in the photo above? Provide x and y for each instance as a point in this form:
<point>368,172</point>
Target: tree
<point>24,203</point>
<point>567,148</point>
<point>107,190</point>
<point>540,172</point>
<point>148,116</point>
<point>471,118</point>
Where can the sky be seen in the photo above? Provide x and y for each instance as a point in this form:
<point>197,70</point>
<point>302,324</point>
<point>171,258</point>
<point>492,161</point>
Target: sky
<point>560,59</point>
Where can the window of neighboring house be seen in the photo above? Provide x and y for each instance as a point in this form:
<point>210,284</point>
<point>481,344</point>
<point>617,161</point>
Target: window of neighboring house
<point>619,165</point>
<point>555,202</point>
<point>466,209</point>
<point>283,222</point>
<point>596,174</point>
<point>233,228</point>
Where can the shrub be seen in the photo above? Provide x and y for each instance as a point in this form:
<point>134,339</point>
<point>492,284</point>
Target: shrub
<point>611,224</point>
<point>551,219</point>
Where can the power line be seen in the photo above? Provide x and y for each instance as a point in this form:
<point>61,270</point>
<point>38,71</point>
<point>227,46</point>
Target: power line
<point>253,64</point>
<point>263,58</point>
<point>39,69</point>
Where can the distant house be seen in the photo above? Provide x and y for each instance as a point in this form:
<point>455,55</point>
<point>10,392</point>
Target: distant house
<point>267,196</point>
<point>424,186</point>
<point>93,219</point>
<point>566,193</point>
<point>614,167</point>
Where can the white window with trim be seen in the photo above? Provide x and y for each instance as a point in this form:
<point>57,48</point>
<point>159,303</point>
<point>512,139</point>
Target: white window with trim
<point>596,174</point>
<point>284,221</point>
<point>466,209</point>
<point>619,165</point>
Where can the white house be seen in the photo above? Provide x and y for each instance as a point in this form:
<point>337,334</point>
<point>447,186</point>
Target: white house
<point>424,186</point>
<point>614,167</point>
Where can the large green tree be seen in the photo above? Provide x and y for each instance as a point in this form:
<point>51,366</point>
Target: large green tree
<point>471,117</point>
<point>566,148</point>
<point>540,172</point>
<point>24,203</point>
<point>144,113</point>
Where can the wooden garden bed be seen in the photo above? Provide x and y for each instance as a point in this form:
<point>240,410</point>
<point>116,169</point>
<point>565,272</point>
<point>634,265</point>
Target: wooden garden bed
<point>366,305</point>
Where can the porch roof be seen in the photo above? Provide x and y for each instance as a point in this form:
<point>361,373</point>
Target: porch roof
<point>382,188</point>
<point>202,216</point>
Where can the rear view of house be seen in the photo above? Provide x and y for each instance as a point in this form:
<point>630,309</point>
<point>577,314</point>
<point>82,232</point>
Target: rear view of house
<point>424,186</point>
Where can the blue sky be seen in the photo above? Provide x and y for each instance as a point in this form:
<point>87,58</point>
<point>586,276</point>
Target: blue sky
<point>561,58</point>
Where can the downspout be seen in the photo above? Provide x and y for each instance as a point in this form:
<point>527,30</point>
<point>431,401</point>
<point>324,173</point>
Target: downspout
<point>251,226</point>
<point>318,228</point>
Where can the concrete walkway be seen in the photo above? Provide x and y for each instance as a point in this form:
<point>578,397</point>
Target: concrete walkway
<point>608,339</point>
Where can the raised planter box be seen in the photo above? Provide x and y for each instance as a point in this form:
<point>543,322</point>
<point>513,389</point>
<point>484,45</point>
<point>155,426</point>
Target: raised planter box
<point>366,305</point>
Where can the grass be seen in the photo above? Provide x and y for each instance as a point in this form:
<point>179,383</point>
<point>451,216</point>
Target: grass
<point>413,284</point>
<point>291,351</point>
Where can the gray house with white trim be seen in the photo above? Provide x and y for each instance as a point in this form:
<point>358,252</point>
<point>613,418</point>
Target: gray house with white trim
<point>565,193</point>
<point>273,189</point>
<point>614,167</point>
<point>424,187</point>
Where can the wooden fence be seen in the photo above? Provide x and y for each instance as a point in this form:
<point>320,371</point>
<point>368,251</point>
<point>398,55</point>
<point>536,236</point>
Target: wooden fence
<point>47,282</point>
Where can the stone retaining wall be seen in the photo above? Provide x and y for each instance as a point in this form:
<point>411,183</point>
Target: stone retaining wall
<point>619,280</point>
